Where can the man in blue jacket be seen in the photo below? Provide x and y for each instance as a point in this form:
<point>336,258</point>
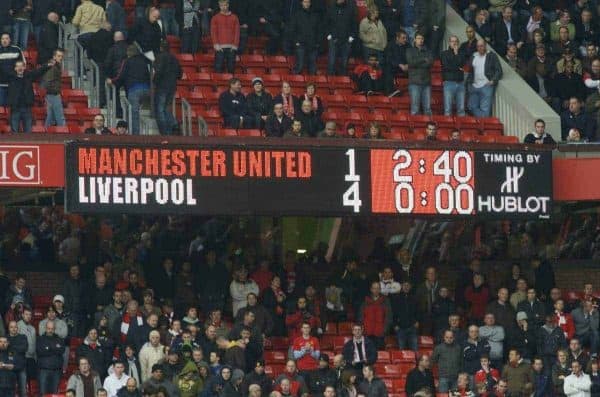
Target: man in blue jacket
<point>49,350</point>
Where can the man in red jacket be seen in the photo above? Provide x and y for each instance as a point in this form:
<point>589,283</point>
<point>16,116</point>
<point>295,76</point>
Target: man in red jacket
<point>293,321</point>
<point>225,35</point>
<point>376,315</point>
<point>306,349</point>
<point>369,76</point>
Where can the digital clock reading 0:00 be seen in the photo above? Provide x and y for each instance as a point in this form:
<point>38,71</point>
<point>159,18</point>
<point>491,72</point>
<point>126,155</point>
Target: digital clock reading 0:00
<point>429,182</point>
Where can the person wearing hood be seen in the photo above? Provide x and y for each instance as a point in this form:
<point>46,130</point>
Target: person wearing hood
<point>188,380</point>
<point>321,377</point>
<point>130,389</point>
<point>258,377</point>
<point>152,353</point>
<point>204,373</point>
<point>93,350</point>
<point>233,388</point>
<point>117,380</point>
<point>157,379</point>
<point>216,384</point>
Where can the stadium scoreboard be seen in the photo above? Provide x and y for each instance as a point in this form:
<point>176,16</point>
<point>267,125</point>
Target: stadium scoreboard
<point>303,179</point>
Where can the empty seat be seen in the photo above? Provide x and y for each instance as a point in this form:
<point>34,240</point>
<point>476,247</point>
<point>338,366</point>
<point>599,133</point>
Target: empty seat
<point>331,329</point>
<point>344,328</point>
<point>275,356</point>
<point>383,356</point>
<point>403,356</point>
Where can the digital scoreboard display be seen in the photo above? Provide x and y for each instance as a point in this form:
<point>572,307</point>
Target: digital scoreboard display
<point>284,179</point>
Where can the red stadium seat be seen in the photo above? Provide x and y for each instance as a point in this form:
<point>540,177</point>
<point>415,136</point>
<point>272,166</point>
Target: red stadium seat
<point>274,370</point>
<point>345,328</point>
<point>403,356</point>
<point>279,342</point>
<point>250,133</point>
<point>399,385</point>
<point>383,356</point>
<point>275,357</point>
<point>58,129</point>
<point>487,139</point>
<point>331,329</point>
<point>426,341</point>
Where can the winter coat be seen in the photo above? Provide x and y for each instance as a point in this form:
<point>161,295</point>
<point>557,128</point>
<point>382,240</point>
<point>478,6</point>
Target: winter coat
<point>76,383</point>
<point>96,355</point>
<point>535,311</point>
<point>341,22</point>
<point>471,355</point>
<point>50,351</point>
<point>495,337</point>
<point>375,388</point>
<point>306,28</point>
<point>147,35</point>
<point>89,17</point>
<point>134,71</point>
<point>373,34</point>
<point>404,309</point>
<point>8,378</point>
<point>517,376</point>
<point>73,294</point>
<point>376,315</point>
<point>150,355</point>
<point>419,62</point>
<point>188,385</point>
<point>549,341</point>
<point>448,357</point>
<point>8,57</point>
<point>168,385</point>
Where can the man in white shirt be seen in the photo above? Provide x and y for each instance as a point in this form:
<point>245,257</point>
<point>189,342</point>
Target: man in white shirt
<point>577,384</point>
<point>486,71</point>
<point>115,381</point>
<point>387,282</point>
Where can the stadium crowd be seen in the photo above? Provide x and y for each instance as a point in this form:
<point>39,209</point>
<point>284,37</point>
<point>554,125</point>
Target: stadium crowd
<point>183,307</point>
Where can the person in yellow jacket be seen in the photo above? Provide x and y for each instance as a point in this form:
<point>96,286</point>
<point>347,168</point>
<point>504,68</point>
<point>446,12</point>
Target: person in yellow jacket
<point>89,18</point>
<point>373,35</point>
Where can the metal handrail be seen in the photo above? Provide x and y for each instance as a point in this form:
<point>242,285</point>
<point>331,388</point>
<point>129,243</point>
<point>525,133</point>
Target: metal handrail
<point>111,103</point>
<point>95,98</point>
<point>126,106</point>
<point>186,117</point>
<point>79,51</point>
<point>202,126</point>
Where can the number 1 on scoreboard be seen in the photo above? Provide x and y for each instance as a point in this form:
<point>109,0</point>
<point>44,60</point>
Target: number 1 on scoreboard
<point>351,197</point>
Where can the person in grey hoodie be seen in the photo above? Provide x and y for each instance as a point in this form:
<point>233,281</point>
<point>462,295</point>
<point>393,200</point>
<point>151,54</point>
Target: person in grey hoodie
<point>585,318</point>
<point>447,355</point>
<point>494,334</point>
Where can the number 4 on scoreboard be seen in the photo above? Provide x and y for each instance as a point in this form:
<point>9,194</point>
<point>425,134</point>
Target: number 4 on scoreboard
<point>351,197</point>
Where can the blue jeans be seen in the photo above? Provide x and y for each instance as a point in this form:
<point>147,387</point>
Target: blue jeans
<point>454,94</point>
<point>420,96</point>
<point>49,379</point>
<point>162,111</point>
<point>21,30</point>
<point>135,97</point>
<point>167,16</point>
<point>338,49</point>
<point>445,384</point>
<point>407,338</point>
<point>311,54</point>
<point>54,111</point>
<point>18,115</point>
<point>22,382</point>
<point>225,56</point>
<point>410,31</point>
<point>480,100</point>
<point>3,94</point>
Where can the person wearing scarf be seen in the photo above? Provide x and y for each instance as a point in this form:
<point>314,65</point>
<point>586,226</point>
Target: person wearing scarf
<point>131,318</point>
<point>290,102</point>
<point>564,320</point>
<point>315,101</point>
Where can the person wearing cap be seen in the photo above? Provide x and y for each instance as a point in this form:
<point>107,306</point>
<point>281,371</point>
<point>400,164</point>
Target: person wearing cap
<point>116,380</point>
<point>524,337</point>
<point>258,377</point>
<point>322,377</point>
<point>233,388</point>
<point>157,380</point>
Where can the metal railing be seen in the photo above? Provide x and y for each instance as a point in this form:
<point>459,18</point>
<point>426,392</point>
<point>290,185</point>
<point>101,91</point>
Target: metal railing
<point>186,117</point>
<point>94,80</point>
<point>126,106</point>
<point>110,91</point>
<point>79,67</point>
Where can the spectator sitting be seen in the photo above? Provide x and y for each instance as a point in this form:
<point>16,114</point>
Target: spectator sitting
<point>591,53</point>
<point>539,136</point>
<point>482,25</point>
<point>330,130</point>
<point>539,72</point>
<point>507,31</point>
<point>568,57</point>
<point>296,130</point>
<point>369,76</point>
<point>575,136</point>
<point>373,131</point>
<point>225,35</point>
<point>260,103</point>
<point>455,135</point>
<point>310,95</point>
<point>122,128</point>
<point>514,61</point>
<point>431,131</point>
<point>289,102</point>
<point>98,126</point>
<point>527,51</point>
<point>563,42</point>
<point>351,131</point>
<point>233,106</point>
<point>277,123</point>
<point>575,117</point>
<point>311,122</point>
<point>563,21</point>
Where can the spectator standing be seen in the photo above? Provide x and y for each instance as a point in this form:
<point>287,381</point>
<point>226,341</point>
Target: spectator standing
<point>167,71</point>
<point>115,15</point>
<point>426,295</point>
<point>568,84</point>
<point>517,373</point>
<point>60,326</point>
<point>277,123</point>
<point>585,319</point>
<point>151,353</point>
<point>395,62</point>
<point>564,319</point>
<point>260,105</point>
<point>373,35</point>
<point>148,34</point>
<point>267,14</point>
<point>371,386</point>
<point>376,315</point>
<point>453,76</point>
<point>408,18</point>
<point>485,74</point>
<point>95,352</point>
<point>190,31</point>
<point>406,324</point>
<point>9,55</point>
<point>305,29</point>
<point>550,340</point>
<point>168,11</point>
<point>89,18</point>
<point>494,334</point>
<point>476,297</point>
<point>50,349</point>
<point>542,382</point>
<point>539,136</point>
<point>473,349</point>
<point>48,38</point>
<point>468,47</point>
<point>575,117</point>
<point>487,375</point>
<point>239,289</point>
<point>533,308</point>
<point>359,351</point>
<point>21,11</point>
<point>19,346</point>
<point>10,365</point>
<point>225,35</point>
<point>116,380</point>
<point>447,355</point>
<point>578,384</point>
<point>544,276</point>
<point>111,65</point>
<point>135,77</point>
<point>233,106</point>
<point>431,18</point>
<point>419,60</point>
<point>52,80</point>
<point>341,32</point>
<point>503,312</point>
<point>20,95</point>
<point>84,381</point>
<point>420,377</point>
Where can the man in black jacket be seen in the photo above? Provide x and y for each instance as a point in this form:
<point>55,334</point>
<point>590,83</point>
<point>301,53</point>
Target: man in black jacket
<point>95,352</point>
<point>259,377</point>
<point>481,89</point>
<point>9,55</point>
<point>40,13</point>
<point>321,377</point>
<point>20,95</point>
<point>420,377</point>
<point>395,61</point>
<point>10,365</point>
<point>508,31</point>
<point>311,123</point>
<point>260,103</point>
<point>18,344</point>
<point>167,71</point>
<point>278,123</point>
<point>371,386</point>
<point>404,309</point>
<point>359,351</point>
<point>267,15</point>
<point>341,32</point>
<point>454,78</point>
<point>48,38</point>
<point>575,117</point>
<point>473,348</point>
<point>305,26</point>
<point>49,350</point>
<point>148,34</point>
<point>233,106</point>
<point>115,57</point>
